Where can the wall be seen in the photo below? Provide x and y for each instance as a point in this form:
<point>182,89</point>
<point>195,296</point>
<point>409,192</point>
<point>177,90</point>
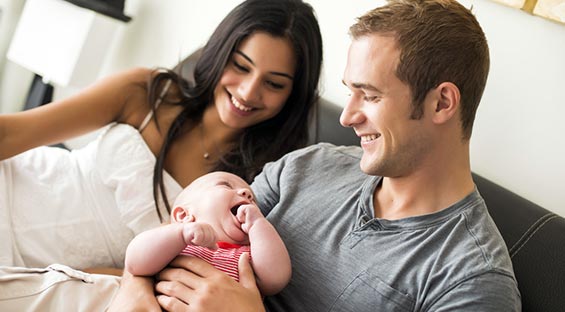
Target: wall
<point>517,138</point>
<point>13,78</point>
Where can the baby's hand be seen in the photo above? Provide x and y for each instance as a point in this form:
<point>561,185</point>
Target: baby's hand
<point>199,234</point>
<point>247,215</point>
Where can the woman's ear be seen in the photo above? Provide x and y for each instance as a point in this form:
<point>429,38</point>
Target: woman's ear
<point>448,101</point>
<point>180,215</point>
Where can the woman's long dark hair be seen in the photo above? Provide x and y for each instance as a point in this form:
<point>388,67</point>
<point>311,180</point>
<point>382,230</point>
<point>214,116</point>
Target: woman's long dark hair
<point>267,140</point>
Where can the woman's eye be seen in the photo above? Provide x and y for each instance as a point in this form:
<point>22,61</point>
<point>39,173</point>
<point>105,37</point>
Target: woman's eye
<point>275,85</point>
<point>240,67</point>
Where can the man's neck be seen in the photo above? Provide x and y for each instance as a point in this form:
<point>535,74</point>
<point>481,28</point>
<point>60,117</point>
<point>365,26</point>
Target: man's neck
<point>424,191</point>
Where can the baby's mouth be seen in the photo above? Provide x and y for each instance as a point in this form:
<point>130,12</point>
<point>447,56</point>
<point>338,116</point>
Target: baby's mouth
<point>234,210</point>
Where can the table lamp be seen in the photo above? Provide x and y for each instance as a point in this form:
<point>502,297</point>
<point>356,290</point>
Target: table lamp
<point>63,42</point>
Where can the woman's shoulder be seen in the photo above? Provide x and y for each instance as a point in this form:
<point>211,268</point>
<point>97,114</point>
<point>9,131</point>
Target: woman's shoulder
<point>134,84</point>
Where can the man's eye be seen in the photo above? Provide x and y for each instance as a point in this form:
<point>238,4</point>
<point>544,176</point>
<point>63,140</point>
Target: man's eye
<point>368,98</point>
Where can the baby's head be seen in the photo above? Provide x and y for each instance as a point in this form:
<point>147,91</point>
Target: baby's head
<point>214,199</point>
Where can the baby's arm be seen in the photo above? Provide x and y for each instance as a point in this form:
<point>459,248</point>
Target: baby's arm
<point>150,251</point>
<point>269,257</point>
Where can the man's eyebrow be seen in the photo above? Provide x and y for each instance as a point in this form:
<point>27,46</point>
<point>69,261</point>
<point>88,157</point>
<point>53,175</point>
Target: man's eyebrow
<point>360,85</point>
<point>272,72</point>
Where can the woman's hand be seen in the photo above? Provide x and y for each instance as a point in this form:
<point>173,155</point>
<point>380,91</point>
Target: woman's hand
<point>135,294</point>
<point>192,284</point>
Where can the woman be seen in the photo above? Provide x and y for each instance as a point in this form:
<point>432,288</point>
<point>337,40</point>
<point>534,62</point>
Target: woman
<point>254,86</point>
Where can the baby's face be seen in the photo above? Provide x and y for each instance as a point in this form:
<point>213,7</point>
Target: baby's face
<point>214,199</point>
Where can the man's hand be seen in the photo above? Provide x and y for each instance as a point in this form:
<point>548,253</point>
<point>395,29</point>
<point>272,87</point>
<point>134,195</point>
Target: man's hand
<point>199,234</point>
<point>135,294</point>
<point>192,284</point>
<point>247,215</point>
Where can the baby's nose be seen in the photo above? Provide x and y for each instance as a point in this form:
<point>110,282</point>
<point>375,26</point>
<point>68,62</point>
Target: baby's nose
<point>246,193</point>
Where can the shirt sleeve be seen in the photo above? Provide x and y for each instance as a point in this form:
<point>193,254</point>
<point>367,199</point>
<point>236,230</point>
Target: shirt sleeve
<point>492,291</point>
<point>266,186</point>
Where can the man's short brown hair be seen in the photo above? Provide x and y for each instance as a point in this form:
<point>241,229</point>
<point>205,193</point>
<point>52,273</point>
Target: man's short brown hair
<point>439,41</point>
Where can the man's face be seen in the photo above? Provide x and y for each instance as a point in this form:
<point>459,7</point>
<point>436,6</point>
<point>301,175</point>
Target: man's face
<point>379,109</point>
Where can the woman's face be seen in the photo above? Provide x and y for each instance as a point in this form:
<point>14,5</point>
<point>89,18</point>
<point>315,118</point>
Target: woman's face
<point>256,82</point>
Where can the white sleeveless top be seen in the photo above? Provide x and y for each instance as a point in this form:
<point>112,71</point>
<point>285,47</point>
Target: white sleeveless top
<point>79,208</point>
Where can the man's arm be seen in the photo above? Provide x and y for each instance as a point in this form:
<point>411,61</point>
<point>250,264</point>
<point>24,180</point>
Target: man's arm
<point>269,256</point>
<point>150,251</point>
<point>492,291</point>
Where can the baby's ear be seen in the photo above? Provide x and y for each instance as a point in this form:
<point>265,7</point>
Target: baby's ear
<point>180,215</point>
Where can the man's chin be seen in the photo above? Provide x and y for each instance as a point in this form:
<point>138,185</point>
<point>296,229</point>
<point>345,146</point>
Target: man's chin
<point>370,166</point>
<point>366,163</point>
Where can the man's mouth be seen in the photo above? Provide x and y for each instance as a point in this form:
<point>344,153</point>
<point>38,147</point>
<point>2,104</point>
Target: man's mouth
<point>369,137</point>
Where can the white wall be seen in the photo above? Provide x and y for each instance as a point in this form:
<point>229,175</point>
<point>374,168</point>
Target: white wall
<point>12,77</point>
<point>517,138</point>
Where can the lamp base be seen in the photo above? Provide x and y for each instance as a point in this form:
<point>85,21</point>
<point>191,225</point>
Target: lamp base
<point>39,93</point>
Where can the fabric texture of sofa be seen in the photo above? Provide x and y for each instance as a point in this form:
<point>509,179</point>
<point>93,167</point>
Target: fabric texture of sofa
<point>535,236</point>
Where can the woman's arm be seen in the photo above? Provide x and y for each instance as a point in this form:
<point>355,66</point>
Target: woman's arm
<point>119,97</point>
<point>269,257</point>
<point>150,251</point>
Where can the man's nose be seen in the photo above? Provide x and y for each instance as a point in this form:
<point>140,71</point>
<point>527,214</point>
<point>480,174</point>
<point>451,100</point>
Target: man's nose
<point>351,114</point>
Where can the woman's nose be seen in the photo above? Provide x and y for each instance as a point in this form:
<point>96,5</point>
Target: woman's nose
<point>250,89</point>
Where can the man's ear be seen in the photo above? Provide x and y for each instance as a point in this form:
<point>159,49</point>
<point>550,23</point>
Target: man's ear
<point>179,215</point>
<point>448,101</point>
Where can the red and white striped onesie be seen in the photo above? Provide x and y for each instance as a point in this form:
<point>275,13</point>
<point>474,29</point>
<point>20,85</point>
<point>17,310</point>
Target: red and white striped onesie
<point>225,258</point>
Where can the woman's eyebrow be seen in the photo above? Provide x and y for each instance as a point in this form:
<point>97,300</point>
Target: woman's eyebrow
<point>272,72</point>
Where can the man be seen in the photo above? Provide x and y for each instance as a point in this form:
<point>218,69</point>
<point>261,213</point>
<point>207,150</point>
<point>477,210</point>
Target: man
<point>397,225</point>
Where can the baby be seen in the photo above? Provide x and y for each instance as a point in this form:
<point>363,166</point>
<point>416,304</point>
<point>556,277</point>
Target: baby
<point>215,218</point>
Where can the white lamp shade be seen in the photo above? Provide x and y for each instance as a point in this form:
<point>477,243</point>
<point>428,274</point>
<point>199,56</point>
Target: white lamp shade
<point>63,43</point>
